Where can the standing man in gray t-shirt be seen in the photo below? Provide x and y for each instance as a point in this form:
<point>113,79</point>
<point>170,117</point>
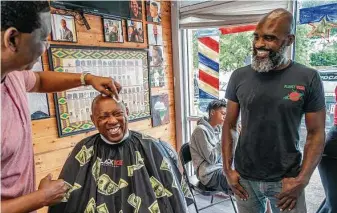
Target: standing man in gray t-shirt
<point>273,94</point>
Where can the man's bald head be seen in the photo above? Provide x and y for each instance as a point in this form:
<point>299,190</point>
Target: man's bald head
<point>281,18</point>
<point>272,36</point>
<point>99,98</point>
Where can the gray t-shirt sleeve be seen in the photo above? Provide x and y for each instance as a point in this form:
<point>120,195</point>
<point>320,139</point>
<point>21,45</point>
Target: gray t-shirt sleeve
<point>315,99</point>
<point>231,88</point>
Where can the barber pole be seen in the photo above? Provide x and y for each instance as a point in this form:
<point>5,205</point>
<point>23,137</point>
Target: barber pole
<point>208,54</point>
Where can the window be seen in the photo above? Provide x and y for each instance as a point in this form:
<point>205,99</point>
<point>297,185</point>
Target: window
<point>234,52</point>
<point>312,48</point>
<point>319,51</point>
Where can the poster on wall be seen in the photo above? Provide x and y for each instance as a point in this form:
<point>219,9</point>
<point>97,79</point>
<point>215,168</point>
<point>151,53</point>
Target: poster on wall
<point>129,67</point>
<point>63,28</point>
<point>156,55</point>
<point>38,102</point>
<point>135,8</point>
<point>155,34</point>
<point>153,13</point>
<point>135,31</point>
<point>157,76</point>
<point>160,110</point>
<point>113,31</point>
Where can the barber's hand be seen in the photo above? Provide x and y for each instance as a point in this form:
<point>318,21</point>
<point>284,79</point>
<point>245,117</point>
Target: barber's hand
<point>233,178</point>
<point>53,190</point>
<point>291,190</point>
<point>107,86</point>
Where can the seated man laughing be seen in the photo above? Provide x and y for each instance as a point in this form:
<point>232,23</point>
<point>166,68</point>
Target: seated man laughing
<point>119,170</point>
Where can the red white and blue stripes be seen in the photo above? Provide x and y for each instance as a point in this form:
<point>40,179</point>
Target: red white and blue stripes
<point>208,54</point>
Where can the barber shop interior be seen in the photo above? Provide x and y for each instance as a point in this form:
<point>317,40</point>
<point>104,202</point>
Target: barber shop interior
<point>153,106</point>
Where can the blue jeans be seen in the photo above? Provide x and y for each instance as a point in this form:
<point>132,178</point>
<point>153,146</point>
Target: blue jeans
<point>328,172</point>
<point>259,192</point>
<point>218,181</point>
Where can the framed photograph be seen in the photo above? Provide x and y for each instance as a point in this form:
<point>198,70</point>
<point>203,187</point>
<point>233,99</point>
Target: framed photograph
<point>153,13</point>
<point>63,28</point>
<point>38,102</point>
<point>127,66</point>
<point>156,56</point>
<point>155,34</point>
<point>160,110</point>
<point>113,31</point>
<point>157,77</point>
<point>135,31</point>
<point>135,8</point>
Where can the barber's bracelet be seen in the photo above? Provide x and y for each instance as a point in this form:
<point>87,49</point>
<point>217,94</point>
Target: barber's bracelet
<point>83,83</point>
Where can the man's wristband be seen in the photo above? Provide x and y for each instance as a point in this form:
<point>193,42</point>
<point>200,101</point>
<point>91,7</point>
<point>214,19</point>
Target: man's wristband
<point>83,83</point>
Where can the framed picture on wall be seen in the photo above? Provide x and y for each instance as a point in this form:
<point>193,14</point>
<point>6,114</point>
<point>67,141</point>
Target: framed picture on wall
<point>113,31</point>
<point>153,13</point>
<point>38,102</point>
<point>156,55</point>
<point>157,77</point>
<point>160,110</point>
<point>155,34</point>
<point>135,31</point>
<point>135,8</point>
<point>127,66</point>
<point>63,28</point>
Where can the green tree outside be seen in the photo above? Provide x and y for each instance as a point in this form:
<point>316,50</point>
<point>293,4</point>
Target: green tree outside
<point>234,49</point>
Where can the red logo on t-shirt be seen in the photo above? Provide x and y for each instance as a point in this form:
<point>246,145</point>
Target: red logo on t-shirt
<point>295,96</point>
<point>300,88</point>
<point>118,162</point>
<point>112,163</point>
<point>296,93</point>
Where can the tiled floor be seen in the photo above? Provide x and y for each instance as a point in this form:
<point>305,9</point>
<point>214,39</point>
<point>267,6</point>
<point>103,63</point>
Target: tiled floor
<point>225,207</point>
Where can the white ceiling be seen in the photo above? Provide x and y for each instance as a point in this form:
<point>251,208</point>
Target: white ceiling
<point>196,14</point>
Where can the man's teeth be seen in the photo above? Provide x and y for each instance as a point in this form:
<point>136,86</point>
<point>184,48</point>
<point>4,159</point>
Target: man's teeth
<point>262,53</point>
<point>114,130</point>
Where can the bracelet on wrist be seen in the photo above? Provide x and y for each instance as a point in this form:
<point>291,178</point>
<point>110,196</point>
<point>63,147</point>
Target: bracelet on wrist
<point>83,81</point>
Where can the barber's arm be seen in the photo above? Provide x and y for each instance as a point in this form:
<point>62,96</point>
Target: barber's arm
<point>55,81</point>
<point>49,192</point>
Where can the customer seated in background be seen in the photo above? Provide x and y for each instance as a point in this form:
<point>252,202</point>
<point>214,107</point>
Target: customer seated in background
<point>206,147</point>
<point>119,170</point>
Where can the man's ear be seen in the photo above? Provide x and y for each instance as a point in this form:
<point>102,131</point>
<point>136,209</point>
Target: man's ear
<point>291,39</point>
<point>11,39</point>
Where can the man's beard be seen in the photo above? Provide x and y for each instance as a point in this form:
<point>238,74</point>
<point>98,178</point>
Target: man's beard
<point>274,59</point>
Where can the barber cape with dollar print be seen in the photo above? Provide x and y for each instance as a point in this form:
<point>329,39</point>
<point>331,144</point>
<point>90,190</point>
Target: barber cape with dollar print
<point>137,175</point>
